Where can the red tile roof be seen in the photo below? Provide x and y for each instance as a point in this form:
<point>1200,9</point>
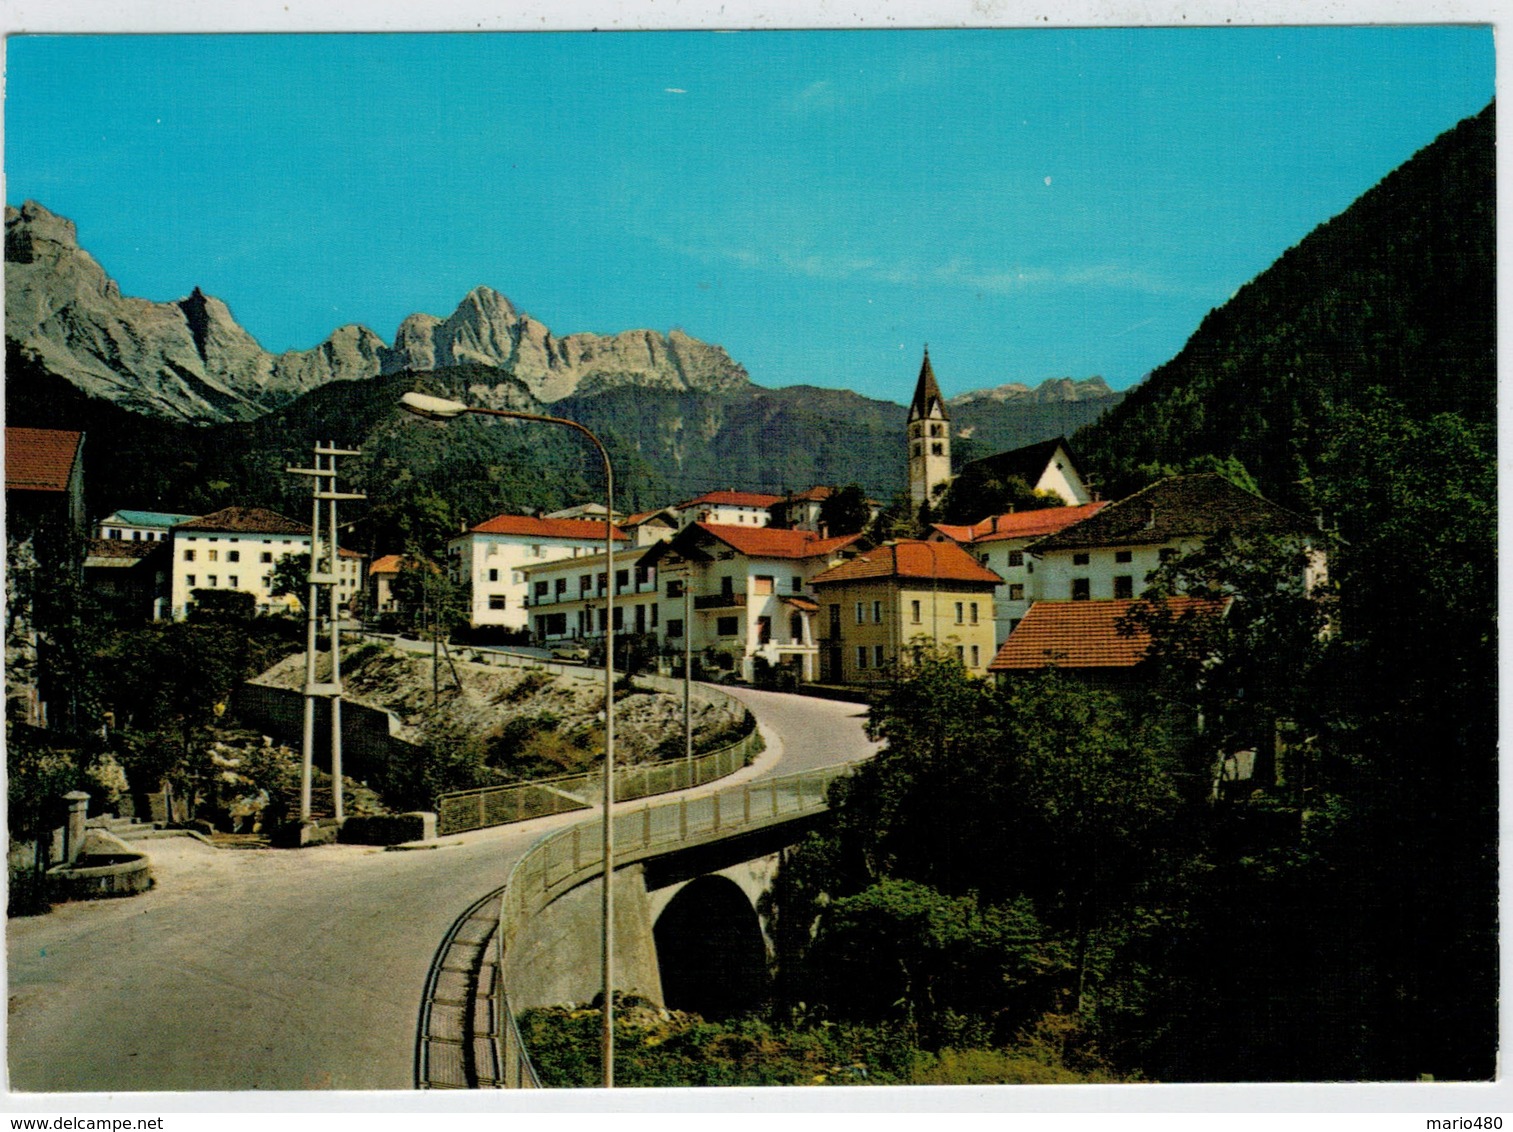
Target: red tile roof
<point>912,558</point>
<point>40,459</point>
<point>769,542</point>
<point>388,564</point>
<point>246,520</point>
<point>813,495</point>
<point>1083,634</point>
<point>1019,524</point>
<point>732,499</point>
<point>529,525</point>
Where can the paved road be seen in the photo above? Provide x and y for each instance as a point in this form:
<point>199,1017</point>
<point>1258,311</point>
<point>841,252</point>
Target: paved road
<point>284,970</point>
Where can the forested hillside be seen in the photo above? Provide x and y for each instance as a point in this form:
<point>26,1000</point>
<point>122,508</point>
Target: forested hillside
<point>1397,293</point>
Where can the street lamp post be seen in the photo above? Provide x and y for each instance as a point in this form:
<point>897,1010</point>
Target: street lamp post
<point>440,409</point>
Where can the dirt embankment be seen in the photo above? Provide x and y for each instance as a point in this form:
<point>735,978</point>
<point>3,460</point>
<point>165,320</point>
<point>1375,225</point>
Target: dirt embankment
<point>491,701</point>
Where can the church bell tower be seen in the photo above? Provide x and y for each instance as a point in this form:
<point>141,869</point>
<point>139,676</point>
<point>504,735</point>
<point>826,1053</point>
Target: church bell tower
<point>929,438</point>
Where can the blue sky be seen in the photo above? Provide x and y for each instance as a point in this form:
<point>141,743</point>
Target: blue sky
<point>1032,203</point>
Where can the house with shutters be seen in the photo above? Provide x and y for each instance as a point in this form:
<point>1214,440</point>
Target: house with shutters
<point>237,548</point>
<point>878,607</point>
<point>1000,543</point>
<point>490,561</point>
<point>1109,555</point>
<point>748,594</point>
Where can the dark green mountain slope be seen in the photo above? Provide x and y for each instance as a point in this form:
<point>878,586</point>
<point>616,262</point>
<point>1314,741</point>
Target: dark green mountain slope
<point>1398,292</point>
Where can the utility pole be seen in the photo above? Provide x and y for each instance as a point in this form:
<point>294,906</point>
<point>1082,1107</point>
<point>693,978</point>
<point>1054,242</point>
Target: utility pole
<point>325,571</point>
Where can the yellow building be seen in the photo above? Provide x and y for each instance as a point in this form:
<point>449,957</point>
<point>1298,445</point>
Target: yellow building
<point>876,609</point>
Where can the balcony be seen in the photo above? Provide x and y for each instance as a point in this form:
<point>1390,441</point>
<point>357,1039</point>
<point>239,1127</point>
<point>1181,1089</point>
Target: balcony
<point>720,601</point>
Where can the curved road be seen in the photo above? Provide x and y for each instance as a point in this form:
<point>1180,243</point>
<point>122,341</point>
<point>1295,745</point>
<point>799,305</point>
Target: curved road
<point>286,970</point>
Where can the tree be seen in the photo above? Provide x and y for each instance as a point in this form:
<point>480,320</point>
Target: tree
<point>1250,661</point>
<point>979,492</point>
<point>291,576</point>
<point>846,511</point>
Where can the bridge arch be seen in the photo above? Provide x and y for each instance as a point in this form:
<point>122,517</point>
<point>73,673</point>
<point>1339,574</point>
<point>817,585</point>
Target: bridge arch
<point>711,953</point>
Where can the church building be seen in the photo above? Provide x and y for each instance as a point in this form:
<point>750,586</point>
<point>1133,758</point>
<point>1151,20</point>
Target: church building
<point>929,438</point>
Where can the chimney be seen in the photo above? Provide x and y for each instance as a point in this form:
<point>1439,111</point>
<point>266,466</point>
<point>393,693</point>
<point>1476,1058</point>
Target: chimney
<point>824,531</point>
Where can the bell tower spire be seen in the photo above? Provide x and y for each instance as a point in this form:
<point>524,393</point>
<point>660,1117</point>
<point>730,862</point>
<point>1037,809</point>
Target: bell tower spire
<point>929,431</point>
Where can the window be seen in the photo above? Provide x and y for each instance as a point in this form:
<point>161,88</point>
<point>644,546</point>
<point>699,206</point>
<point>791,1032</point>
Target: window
<point>235,581</point>
<point>189,556</point>
<point>877,613</point>
<point>654,608</point>
<point>976,658</point>
<point>1123,556</point>
<point>861,656</point>
<point>214,555</point>
<point>918,448</point>
<point>233,556</point>
<point>861,612</point>
<point>914,612</point>
<point>212,581</point>
<point>267,581</point>
<point>622,579</point>
<point>937,430</point>
<point>603,581</point>
<point>878,660</point>
<point>585,583</point>
<point>798,583</point>
<point>937,449</point>
<point>974,613</point>
<point>727,626</point>
<point>1080,559</point>
<point>496,601</point>
<point>266,556</point>
<point>1016,558</point>
<point>619,617</point>
<point>1124,586</point>
<point>762,584</point>
<point>674,625</point>
<point>540,590</point>
<point>675,588</point>
<point>1016,591</point>
<point>1080,591</point>
<point>764,630</point>
<point>117,534</point>
<point>960,613</point>
<point>493,575</point>
<point>961,654</point>
<point>189,579</point>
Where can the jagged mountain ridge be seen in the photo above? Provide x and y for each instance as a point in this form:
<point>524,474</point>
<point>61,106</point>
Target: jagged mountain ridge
<point>191,360</point>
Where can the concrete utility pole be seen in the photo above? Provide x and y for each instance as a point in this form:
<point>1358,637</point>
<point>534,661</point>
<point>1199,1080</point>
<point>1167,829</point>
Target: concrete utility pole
<point>323,490</point>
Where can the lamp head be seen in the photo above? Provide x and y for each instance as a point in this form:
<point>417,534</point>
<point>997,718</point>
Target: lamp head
<point>432,408</point>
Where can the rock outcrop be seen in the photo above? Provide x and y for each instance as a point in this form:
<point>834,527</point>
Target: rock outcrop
<point>191,360</point>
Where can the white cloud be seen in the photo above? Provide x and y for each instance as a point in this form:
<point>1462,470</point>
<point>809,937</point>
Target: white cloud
<point>673,90</point>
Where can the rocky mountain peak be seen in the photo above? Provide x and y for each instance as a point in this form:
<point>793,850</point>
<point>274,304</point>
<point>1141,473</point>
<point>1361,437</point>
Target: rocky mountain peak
<point>190,358</point>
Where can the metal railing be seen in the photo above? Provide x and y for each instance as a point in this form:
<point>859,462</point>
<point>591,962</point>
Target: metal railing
<point>563,860</point>
<point>463,810</point>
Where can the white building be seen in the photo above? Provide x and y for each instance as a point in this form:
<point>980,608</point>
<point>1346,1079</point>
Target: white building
<point>751,597</point>
<point>1047,466</point>
<point>1110,555</point>
<point>566,598</point>
<point>1000,543</point>
<point>140,526</point>
<point>237,548</point>
<point>729,508</point>
<point>490,561</point>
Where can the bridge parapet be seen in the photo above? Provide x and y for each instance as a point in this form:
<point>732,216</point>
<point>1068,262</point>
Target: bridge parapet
<point>564,860</point>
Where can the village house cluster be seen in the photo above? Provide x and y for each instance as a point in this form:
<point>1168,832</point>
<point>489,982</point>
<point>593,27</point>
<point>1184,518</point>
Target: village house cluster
<point>750,583</point>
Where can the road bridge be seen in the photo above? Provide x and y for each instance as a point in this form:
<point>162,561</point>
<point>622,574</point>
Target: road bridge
<point>289,970</point>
